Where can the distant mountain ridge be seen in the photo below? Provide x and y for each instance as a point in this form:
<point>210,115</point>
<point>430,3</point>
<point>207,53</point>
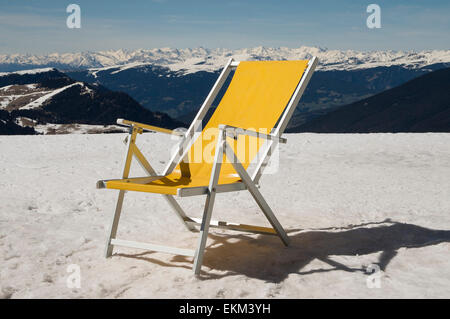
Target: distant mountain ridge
<point>201,59</point>
<point>48,101</point>
<point>176,81</point>
<point>180,95</point>
<point>420,105</point>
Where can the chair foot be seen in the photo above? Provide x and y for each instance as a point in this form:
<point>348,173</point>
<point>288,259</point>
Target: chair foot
<point>204,229</point>
<point>197,270</point>
<point>108,250</point>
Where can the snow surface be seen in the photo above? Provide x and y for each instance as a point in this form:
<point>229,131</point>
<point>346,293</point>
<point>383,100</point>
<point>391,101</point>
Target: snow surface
<point>5,100</point>
<point>41,96</point>
<point>347,201</point>
<point>41,100</point>
<point>6,88</point>
<point>75,128</point>
<point>31,71</point>
<point>201,59</point>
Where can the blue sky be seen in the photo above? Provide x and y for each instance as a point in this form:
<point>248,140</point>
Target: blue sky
<point>39,26</point>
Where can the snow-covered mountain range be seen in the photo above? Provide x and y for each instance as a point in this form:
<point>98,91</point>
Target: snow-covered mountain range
<point>201,59</point>
<point>170,81</point>
<point>50,102</point>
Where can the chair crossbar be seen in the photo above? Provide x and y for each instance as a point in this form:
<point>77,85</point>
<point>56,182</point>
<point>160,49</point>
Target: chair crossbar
<point>153,247</point>
<point>233,226</point>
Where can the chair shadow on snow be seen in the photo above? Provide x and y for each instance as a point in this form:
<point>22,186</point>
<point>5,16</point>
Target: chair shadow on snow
<point>265,257</point>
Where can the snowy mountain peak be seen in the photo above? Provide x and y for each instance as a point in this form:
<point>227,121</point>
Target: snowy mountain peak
<point>201,59</point>
<point>31,71</point>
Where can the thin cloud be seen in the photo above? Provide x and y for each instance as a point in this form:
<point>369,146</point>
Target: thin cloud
<point>30,21</point>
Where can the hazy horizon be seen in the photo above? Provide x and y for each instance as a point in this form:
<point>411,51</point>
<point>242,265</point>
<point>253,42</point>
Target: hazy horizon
<point>216,48</point>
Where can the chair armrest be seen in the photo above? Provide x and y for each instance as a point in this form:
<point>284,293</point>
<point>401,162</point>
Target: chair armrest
<point>233,132</point>
<point>147,127</point>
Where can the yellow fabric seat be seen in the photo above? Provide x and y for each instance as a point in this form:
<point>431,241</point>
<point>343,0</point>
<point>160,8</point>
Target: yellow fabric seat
<point>255,100</point>
<point>170,184</point>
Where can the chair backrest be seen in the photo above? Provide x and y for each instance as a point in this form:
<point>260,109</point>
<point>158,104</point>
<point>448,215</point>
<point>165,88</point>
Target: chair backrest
<point>255,99</point>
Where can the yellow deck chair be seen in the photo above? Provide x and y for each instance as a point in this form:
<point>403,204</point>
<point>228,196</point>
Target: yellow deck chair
<point>244,129</point>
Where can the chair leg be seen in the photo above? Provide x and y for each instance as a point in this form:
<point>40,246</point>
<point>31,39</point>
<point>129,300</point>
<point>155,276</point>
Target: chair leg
<point>172,202</point>
<point>204,228</point>
<point>209,204</point>
<point>256,195</point>
<point>269,214</point>
<point>131,139</point>
<point>114,224</point>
